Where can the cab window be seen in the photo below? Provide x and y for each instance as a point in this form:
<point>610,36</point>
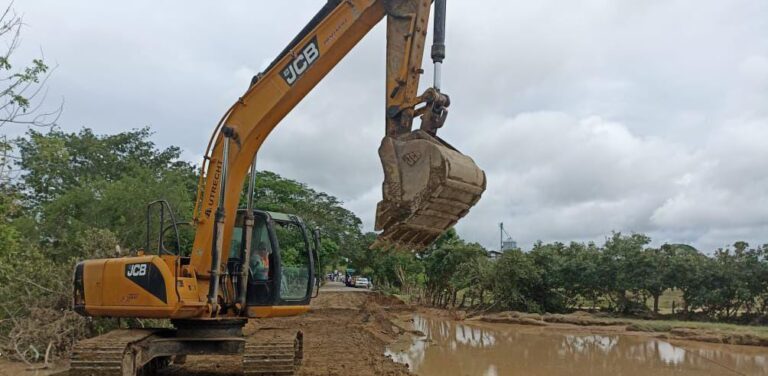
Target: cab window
<point>294,256</point>
<point>261,251</point>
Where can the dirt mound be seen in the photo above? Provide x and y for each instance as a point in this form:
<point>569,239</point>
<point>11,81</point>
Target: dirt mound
<point>387,301</point>
<point>348,335</point>
<point>345,333</point>
<point>583,319</point>
<point>343,300</point>
<point>577,318</point>
<point>717,337</point>
<point>512,317</point>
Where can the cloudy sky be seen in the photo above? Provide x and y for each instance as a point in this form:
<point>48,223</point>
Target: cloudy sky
<point>587,116</point>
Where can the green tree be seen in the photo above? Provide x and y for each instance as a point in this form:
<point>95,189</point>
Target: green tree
<point>476,278</point>
<point>56,162</point>
<point>320,210</point>
<point>653,268</point>
<point>442,261</point>
<point>686,272</point>
<point>78,182</point>
<point>581,274</point>
<point>760,284</point>
<point>516,282</point>
<point>23,92</point>
<point>621,255</point>
<point>396,271</point>
<point>550,261</point>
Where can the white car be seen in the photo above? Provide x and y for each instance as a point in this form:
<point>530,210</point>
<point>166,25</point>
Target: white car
<point>362,282</point>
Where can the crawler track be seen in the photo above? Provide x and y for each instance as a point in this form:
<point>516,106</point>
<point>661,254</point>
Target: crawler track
<point>106,354</point>
<point>269,352</point>
<point>273,352</point>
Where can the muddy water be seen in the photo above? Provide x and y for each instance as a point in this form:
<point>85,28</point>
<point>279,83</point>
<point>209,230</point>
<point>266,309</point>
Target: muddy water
<point>450,348</point>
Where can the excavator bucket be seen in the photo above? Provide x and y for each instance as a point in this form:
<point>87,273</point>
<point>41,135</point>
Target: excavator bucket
<point>428,186</point>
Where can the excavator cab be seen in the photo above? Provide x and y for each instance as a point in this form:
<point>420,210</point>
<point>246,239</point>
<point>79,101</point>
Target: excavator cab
<point>280,266</point>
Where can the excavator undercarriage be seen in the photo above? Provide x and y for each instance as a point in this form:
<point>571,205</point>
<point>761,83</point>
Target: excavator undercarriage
<point>130,352</point>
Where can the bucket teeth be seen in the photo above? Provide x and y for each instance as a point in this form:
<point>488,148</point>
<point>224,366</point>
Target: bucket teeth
<point>428,186</point>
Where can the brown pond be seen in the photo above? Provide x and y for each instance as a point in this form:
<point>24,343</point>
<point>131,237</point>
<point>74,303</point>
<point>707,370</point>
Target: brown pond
<point>451,348</point>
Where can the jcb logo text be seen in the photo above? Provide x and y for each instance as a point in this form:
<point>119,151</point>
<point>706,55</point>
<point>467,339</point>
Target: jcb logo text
<point>305,58</point>
<point>136,270</point>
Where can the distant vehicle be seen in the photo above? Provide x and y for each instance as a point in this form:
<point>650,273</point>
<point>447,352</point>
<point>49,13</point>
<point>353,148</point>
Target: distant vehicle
<point>362,282</point>
<point>349,277</point>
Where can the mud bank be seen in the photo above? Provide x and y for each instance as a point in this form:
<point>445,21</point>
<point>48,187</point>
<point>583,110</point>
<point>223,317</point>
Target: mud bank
<point>584,321</point>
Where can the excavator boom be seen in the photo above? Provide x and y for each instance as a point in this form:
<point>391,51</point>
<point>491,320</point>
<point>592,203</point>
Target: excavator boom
<point>428,185</point>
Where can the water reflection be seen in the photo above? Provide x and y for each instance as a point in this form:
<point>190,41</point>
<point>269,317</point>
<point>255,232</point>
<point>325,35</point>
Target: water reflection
<point>588,344</point>
<point>450,348</point>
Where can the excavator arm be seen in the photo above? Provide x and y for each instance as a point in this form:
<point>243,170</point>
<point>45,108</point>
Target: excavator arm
<point>428,184</point>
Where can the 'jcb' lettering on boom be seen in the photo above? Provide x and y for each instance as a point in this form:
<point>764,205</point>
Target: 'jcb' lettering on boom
<point>305,58</point>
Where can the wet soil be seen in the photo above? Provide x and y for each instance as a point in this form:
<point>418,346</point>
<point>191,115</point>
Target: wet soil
<point>9,368</point>
<point>345,333</point>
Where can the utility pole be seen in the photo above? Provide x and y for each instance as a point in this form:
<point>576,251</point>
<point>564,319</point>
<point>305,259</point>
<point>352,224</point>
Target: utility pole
<point>507,242</point>
<point>501,236</point>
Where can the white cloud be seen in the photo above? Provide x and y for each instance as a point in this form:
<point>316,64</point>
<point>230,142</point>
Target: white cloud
<point>556,177</point>
<point>588,116</point>
<point>729,190</point>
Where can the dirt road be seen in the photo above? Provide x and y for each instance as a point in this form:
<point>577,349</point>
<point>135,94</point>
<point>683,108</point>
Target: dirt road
<point>344,334</point>
<point>340,287</point>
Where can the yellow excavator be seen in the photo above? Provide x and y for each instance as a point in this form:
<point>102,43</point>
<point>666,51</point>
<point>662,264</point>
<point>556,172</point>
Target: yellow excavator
<point>247,263</point>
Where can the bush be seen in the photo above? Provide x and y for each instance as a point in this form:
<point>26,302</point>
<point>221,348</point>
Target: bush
<point>37,322</point>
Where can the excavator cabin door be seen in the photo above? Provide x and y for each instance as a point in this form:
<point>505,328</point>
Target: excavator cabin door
<point>281,265</point>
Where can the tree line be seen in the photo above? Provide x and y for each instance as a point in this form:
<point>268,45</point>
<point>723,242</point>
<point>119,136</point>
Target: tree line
<point>624,275</point>
<point>81,195</point>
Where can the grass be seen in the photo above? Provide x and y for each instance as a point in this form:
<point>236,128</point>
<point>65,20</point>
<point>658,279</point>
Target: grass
<point>706,332</point>
<point>689,330</point>
<point>667,325</point>
<point>585,319</point>
<point>665,302</point>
